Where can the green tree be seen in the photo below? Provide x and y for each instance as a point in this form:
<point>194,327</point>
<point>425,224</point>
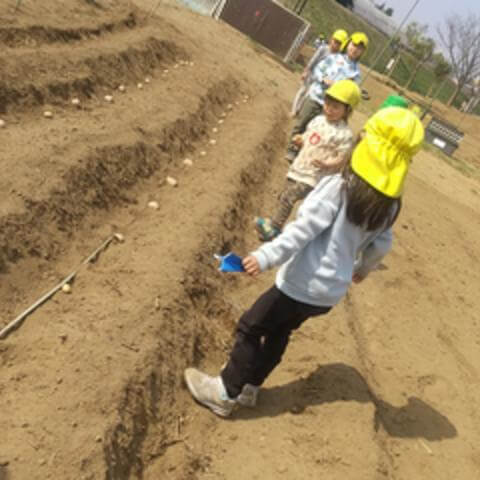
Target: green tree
<point>415,33</point>
<point>421,46</point>
<point>441,70</point>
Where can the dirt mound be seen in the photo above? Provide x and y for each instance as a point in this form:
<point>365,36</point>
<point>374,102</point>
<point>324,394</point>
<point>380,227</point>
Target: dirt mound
<point>37,35</point>
<point>62,78</point>
<point>57,13</point>
<point>81,178</point>
<point>101,181</point>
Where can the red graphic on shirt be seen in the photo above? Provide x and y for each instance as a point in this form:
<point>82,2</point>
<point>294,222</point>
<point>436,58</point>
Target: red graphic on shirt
<point>314,139</point>
<point>257,13</point>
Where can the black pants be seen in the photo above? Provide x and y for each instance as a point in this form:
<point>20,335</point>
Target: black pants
<point>262,336</point>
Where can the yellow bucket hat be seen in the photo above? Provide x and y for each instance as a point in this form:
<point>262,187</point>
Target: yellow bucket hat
<point>359,38</point>
<point>345,91</point>
<point>382,158</point>
<point>340,35</point>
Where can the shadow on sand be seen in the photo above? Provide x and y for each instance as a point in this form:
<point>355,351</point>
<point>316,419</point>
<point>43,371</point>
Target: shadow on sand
<point>339,382</point>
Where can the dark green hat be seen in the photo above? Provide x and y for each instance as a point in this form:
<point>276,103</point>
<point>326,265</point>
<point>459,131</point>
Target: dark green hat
<point>394,101</point>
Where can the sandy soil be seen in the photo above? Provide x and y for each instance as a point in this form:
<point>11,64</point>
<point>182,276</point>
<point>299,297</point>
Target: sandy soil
<point>384,387</point>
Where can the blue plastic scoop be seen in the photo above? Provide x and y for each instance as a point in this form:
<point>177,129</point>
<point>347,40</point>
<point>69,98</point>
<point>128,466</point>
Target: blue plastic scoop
<point>230,263</point>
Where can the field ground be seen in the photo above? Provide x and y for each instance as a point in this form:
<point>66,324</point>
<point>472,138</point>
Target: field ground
<point>384,387</point>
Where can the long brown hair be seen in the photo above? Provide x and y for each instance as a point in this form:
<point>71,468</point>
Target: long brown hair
<point>367,207</point>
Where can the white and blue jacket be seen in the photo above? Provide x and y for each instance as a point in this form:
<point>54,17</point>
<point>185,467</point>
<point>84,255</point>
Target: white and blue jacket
<point>335,67</point>
<point>321,249</point>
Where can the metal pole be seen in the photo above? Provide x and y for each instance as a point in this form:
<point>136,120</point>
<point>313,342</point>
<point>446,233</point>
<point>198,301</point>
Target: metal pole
<point>407,16</point>
<point>462,118</point>
<point>302,7</point>
<point>18,320</point>
<point>394,66</point>
<point>297,6</point>
<point>434,96</point>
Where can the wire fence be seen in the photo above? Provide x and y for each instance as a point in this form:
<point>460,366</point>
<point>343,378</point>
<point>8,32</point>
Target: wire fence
<point>327,15</point>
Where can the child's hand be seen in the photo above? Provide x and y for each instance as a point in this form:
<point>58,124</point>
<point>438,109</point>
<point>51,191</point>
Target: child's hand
<point>297,140</point>
<point>318,163</point>
<point>251,266</point>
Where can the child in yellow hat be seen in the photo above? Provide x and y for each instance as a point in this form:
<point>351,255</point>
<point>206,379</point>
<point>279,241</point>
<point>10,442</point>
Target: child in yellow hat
<point>342,231</point>
<point>333,68</point>
<point>325,147</point>
<point>337,40</point>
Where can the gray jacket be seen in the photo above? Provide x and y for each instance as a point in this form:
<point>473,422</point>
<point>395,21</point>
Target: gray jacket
<point>321,249</point>
<point>321,52</point>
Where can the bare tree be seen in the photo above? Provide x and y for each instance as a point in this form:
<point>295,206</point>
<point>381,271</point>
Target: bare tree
<point>461,39</point>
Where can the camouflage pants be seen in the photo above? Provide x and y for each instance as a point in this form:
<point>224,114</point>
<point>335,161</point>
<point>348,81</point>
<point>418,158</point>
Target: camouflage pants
<point>291,194</point>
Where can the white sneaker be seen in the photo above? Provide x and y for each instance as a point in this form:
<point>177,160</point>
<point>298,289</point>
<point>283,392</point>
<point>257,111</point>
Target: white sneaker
<point>248,395</point>
<point>209,391</point>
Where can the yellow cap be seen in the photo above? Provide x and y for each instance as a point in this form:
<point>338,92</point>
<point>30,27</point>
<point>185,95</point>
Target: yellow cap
<point>382,158</point>
<point>340,35</point>
<point>359,38</point>
<point>345,91</point>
